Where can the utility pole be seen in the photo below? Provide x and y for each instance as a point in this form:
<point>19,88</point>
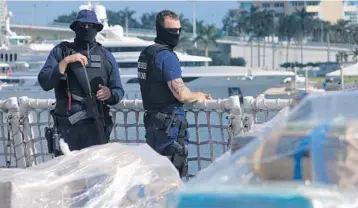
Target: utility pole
<point>194,25</point>
<point>328,47</point>
<point>339,59</point>
<point>273,55</point>
<point>126,23</point>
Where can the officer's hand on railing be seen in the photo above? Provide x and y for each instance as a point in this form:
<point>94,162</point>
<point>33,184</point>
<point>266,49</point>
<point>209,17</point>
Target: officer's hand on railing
<point>72,58</point>
<point>202,97</point>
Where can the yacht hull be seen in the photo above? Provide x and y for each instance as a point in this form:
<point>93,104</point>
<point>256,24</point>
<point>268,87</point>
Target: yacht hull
<point>218,87</point>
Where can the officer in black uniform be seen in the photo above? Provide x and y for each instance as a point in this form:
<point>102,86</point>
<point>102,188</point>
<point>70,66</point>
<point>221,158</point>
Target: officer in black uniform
<point>163,93</point>
<point>86,79</point>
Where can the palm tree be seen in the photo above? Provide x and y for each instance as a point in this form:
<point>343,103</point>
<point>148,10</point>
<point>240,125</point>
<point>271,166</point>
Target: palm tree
<point>185,42</point>
<point>287,29</point>
<point>66,18</point>
<point>353,34</point>
<point>326,27</point>
<point>185,24</point>
<point>340,31</point>
<point>268,27</point>
<point>129,20</point>
<point>207,35</point>
<point>317,30</point>
<point>304,20</point>
<point>230,22</point>
<point>148,20</point>
<point>199,25</point>
<point>114,18</point>
<point>252,24</point>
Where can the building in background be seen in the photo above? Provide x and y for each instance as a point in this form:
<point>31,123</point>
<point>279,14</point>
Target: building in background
<point>3,13</point>
<point>351,13</point>
<point>327,10</point>
<point>245,5</point>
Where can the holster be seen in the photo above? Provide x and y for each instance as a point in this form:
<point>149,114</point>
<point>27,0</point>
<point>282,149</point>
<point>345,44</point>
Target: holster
<point>49,135</point>
<point>108,126</point>
<point>164,121</point>
<point>177,152</point>
<point>52,136</point>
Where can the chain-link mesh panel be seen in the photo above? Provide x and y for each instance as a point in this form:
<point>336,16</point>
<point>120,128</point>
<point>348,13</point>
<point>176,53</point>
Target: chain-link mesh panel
<point>208,129</point>
<point>11,145</point>
<point>39,119</point>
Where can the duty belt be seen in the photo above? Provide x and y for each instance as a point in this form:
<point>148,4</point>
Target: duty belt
<point>164,121</point>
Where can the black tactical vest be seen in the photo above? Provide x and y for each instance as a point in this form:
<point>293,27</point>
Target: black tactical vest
<point>156,94</point>
<point>98,71</point>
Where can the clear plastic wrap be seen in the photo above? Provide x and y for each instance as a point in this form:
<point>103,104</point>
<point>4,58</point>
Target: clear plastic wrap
<point>314,146</point>
<point>111,175</point>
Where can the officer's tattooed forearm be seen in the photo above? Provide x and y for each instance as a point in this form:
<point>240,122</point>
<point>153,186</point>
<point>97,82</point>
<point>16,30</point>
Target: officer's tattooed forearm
<point>178,86</point>
<point>182,92</point>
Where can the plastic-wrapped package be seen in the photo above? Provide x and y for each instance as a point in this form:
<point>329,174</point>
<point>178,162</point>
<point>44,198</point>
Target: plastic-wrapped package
<point>111,175</point>
<point>315,144</point>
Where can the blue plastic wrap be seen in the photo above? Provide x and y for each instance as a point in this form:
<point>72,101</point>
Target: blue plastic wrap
<point>306,158</point>
<point>282,195</point>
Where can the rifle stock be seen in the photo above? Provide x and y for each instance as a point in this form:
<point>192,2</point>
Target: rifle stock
<point>99,123</point>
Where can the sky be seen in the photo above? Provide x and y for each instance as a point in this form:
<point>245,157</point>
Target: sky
<point>43,12</point>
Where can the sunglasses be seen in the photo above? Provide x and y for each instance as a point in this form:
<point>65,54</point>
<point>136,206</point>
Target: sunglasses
<point>88,25</point>
<point>174,30</point>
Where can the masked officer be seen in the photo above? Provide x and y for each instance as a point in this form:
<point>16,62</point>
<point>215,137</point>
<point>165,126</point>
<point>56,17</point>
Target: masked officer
<point>76,70</point>
<point>164,92</point>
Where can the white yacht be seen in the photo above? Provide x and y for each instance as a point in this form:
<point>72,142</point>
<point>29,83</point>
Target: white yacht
<point>220,81</point>
<point>21,49</point>
<point>18,50</point>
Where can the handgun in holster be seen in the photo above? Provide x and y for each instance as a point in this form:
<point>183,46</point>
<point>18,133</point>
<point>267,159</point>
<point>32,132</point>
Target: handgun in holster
<point>52,136</point>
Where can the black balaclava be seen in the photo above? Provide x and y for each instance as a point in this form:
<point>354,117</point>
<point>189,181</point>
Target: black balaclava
<point>165,36</point>
<point>85,36</point>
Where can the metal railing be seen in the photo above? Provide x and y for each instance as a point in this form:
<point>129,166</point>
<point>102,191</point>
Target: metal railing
<point>212,124</point>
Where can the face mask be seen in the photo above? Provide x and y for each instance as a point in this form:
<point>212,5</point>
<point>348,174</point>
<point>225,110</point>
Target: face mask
<point>86,35</point>
<point>167,36</point>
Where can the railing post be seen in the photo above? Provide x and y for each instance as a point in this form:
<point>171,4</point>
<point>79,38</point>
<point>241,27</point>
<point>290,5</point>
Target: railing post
<point>249,112</point>
<point>235,127</point>
<point>14,119</point>
<point>26,129</point>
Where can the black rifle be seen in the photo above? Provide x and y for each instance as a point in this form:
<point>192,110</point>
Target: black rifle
<point>90,101</point>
